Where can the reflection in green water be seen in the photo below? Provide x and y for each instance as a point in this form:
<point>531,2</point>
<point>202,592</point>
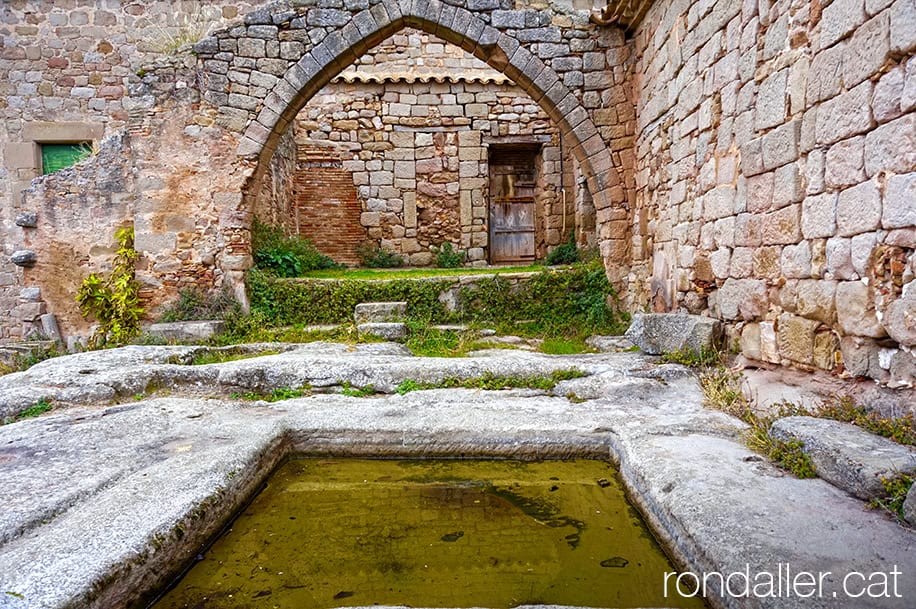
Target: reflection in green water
<point>330,533</point>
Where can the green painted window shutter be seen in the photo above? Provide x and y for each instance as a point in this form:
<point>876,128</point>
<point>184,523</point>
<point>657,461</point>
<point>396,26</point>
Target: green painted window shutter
<point>55,157</point>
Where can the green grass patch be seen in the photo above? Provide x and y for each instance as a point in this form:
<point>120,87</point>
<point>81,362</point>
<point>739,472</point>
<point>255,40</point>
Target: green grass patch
<point>40,407</point>
<point>277,395</point>
<point>563,345</point>
<point>690,357</point>
<point>220,357</point>
<point>417,273</point>
<point>492,382</point>
<point>425,341</point>
<point>357,392</point>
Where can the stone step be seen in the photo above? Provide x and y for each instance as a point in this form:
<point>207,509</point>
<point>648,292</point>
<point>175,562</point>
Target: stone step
<point>387,330</point>
<point>186,330</point>
<point>368,312</point>
<point>847,456</point>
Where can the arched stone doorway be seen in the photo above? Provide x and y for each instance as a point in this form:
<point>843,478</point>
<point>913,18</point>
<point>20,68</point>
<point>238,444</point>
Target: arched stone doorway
<point>348,38</point>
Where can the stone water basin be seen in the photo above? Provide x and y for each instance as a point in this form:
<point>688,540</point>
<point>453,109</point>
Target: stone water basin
<point>432,533</point>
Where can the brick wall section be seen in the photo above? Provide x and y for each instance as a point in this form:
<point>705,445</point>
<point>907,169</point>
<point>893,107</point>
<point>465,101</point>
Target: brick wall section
<point>326,207</point>
<point>776,177</point>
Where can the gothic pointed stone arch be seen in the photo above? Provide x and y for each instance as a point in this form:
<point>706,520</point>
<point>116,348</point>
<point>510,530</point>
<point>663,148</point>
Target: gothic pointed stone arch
<point>369,27</point>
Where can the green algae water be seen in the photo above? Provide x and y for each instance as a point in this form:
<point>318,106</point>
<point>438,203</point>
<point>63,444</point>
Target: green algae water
<point>350,532</point>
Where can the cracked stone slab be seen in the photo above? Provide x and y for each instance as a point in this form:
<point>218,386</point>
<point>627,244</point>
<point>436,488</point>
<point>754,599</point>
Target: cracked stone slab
<point>113,375</point>
<point>847,456</point>
<point>103,503</point>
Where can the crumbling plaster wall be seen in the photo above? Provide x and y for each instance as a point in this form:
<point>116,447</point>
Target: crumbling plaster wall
<point>776,177</point>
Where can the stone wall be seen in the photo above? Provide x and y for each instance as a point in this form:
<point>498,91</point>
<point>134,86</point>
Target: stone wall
<point>202,126</point>
<point>413,120</point>
<point>275,204</point>
<point>417,152</point>
<point>66,74</point>
<point>776,151</point>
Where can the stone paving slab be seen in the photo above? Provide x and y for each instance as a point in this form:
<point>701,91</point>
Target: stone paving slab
<point>848,456</point>
<point>157,477</point>
<point>113,375</point>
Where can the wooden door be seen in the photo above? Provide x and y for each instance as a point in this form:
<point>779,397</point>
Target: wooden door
<point>512,230</point>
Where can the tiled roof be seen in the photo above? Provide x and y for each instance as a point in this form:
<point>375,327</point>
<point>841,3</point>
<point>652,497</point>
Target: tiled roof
<point>351,76</point>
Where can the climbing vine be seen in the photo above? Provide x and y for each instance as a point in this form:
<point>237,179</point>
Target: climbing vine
<point>114,301</point>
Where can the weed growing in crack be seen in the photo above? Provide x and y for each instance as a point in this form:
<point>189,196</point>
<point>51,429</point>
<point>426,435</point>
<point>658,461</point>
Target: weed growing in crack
<point>694,359</point>
<point>40,407</point>
<point>901,429</point>
<point>277,395</point>
<point>722,388</point>
<point>491,382</point>
<point>895,492</point>
<point>357,392</point>
<point>219,357</point>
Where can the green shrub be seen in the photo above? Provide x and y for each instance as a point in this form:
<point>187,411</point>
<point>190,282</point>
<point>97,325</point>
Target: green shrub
<point>448,257</point>
<point>291,301</point>
<point>114,301</point>
<point>896,489</point>
<point>285,256</point>
<point>375,257</point>
<point>194,303</point>
<point>566,253</point>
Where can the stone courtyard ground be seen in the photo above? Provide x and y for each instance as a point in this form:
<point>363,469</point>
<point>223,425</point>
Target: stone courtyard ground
<point>148,452</point>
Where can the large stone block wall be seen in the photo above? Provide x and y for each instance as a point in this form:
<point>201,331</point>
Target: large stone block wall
<point>776,177</point>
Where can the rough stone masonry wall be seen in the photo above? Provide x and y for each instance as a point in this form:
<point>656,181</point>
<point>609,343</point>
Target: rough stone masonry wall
<point>65,72</point>
<point>275,205</point>
<point>776,176</point>
<point>417,153</point>
<point>199,140</point>
<point>402,119</point>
